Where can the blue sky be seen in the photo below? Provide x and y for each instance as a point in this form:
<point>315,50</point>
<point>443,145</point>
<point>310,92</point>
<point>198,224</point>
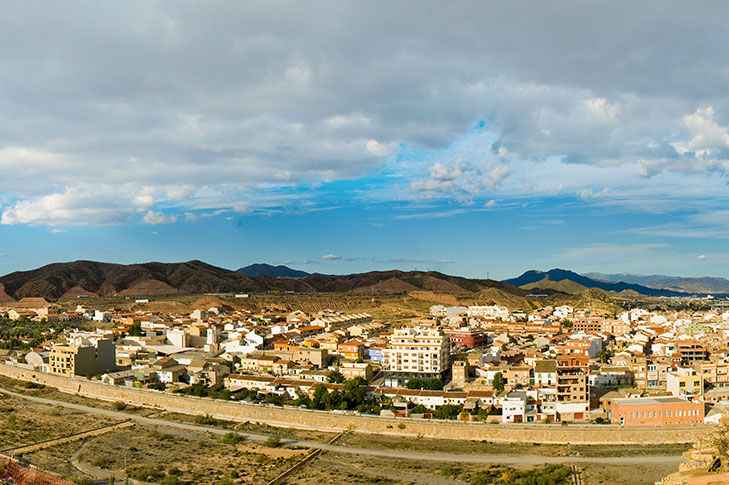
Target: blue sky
<point>473,138</point>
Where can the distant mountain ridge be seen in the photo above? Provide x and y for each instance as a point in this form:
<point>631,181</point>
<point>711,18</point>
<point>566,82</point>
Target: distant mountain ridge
<point>90,278</point>
<point>532,279</point>
<point>263,269</point>
<point>690,285</point>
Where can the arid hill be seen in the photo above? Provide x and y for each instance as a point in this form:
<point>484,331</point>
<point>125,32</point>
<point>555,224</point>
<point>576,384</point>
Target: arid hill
<point>69,280</point>
<point>106,279</point>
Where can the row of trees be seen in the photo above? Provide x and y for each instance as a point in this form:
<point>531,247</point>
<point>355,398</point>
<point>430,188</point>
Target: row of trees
<point>353,396</point>
<point>26,333</point>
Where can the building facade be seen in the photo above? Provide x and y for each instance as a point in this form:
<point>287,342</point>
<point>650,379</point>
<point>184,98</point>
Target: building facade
<point>656,411</point>
<point>415,352</point>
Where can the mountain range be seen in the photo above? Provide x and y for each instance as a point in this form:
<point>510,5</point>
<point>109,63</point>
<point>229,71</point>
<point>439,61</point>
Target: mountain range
<point>689,285</point>
<point>263,269</point>
<point>571,282</point>
<point>91,278</point>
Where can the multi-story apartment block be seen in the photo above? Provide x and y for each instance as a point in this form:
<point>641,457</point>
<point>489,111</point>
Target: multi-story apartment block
<point>415,352</point>
<point>614,327</point>
<point>685,381</point>
<point>639,368</point>
<point>656,373</point>
<point>691,351</point>
<point>460,372</point>
<point>573,400</point>
<point>714,373</point>
<point>590,325</point>
<point>587,345</point>
<point>90,357</point>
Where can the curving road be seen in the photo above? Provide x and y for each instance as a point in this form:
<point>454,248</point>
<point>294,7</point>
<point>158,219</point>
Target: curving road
<point>439,457</point>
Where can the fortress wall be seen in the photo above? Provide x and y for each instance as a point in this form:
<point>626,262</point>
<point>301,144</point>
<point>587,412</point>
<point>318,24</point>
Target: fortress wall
<point>298,418</point>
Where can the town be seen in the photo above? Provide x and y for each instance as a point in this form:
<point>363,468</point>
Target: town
<point>470,363</point>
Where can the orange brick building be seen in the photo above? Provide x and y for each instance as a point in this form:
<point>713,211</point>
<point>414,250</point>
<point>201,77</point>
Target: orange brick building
<point>656,411</point>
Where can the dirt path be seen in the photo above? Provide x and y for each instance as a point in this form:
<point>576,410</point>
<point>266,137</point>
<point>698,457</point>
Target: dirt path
<point>439,457</point>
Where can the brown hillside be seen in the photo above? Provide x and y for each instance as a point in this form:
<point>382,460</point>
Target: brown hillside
<point>4,296</point>
<point>77,291</point>
<point>149,287</point>
<point>391,285</point>
<point>443,299</point>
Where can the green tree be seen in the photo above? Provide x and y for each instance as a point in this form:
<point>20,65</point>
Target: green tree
<point>414,383</point>
<point>333,400</point>
<point>499,382</point>
<point>135,329</point>
<point>335,377</point>
<point>420,409</point>
<point>447,411</point>
<point>320,394</point>
<point>353,393</point>
<point>433,384</point>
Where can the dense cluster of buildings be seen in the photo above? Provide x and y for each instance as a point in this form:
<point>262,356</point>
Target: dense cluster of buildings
<point>553,364</point>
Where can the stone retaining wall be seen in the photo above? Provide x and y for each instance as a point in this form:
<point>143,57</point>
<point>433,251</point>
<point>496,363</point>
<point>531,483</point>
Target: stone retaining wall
<point>292,417</point>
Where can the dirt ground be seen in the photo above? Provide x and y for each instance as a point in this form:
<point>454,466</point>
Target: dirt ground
<point>596,474</point>
<point>492,448</point>
<point>193,458</point>
<point>334,468</point>
<point>22,422</point>
<point>202,458</point>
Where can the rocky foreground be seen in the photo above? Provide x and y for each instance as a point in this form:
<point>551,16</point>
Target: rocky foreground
<point>707,462</point>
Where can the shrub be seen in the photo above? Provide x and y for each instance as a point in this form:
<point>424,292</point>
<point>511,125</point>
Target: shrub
<point>233,438</point>
<point>449,471</point>
<point>146,473</point>
<point>273,441</point>
<point>207,419</point>
<point>120,405</point>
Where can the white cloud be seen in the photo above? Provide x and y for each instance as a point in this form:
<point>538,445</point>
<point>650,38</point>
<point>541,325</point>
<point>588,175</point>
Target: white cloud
<point>264,116</point>
<point>490,203</point>
<point>588,194</point>
<point>702,256</point>
<point>495,175</point>
<point>599,109</point>
<point>152,217</point>
<point>144,200</point>
<point>380,149</point>
<point>74,206</point>
<point>708,138</point>
<point>331,257</point>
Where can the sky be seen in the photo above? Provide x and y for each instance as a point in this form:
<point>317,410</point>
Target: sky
<point>480,139</point>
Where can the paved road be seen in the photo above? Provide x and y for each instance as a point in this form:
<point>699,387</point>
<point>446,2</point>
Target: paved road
<point>439,457</point>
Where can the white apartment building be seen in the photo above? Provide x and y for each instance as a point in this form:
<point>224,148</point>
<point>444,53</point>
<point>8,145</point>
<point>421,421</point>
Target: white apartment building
<point>414,352</point>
